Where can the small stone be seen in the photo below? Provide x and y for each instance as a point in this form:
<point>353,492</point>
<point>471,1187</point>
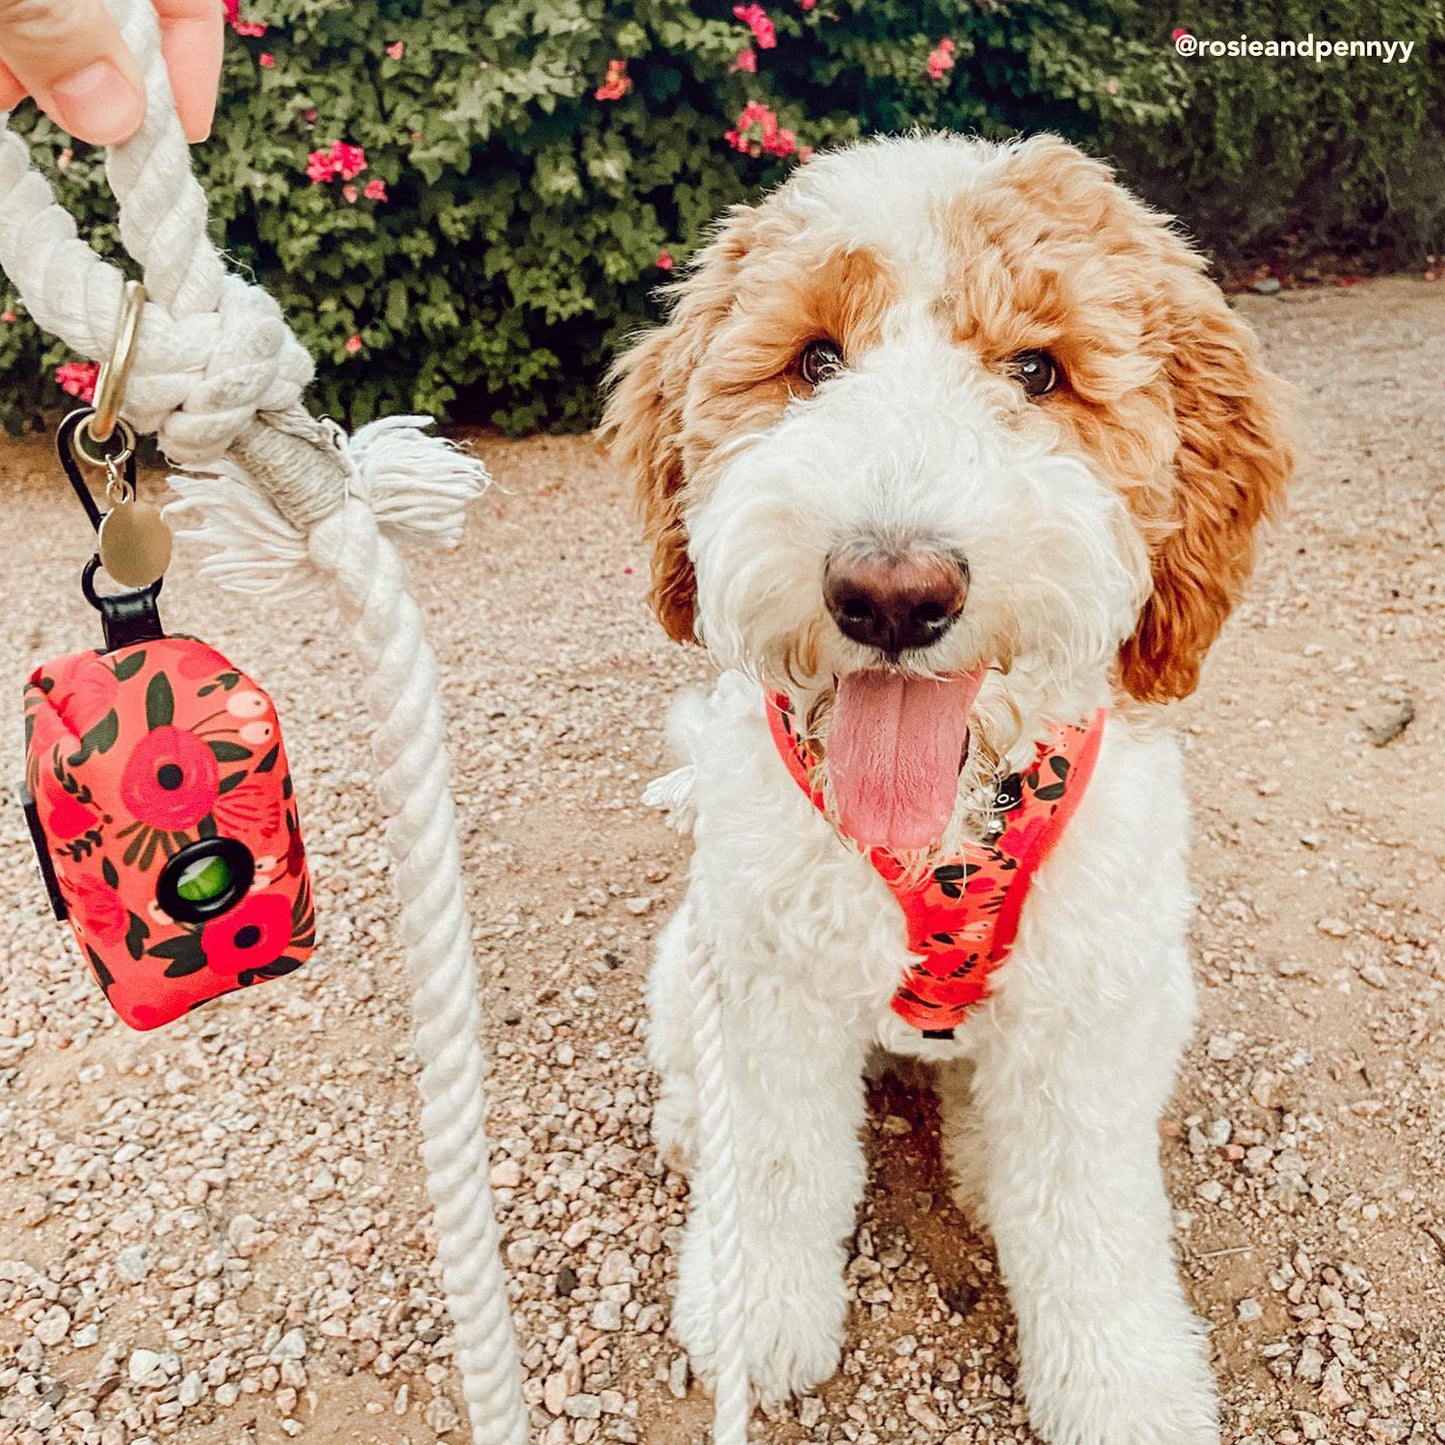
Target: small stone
<point>1221,1048</point>
<point>616,1268</point>
<point>191,1390</point>
<point>54,1325</point>
<point>506,1174</point>
<point>554,1393</point>
<point>1389,727</point>
<point>584,1407</point>
<point>440,1415</point>
<point>1248,1311</point>
<point>677,1378</point>
<point>1266,285</point>
<point>1374,975</point>
<point>291,1346</point>
<point>1289,968</point>
<point>1333,927</point>
<point>242,1230</point>
<point>1211,1191</point>
<point>606,1316</point>
<point>918,1409</point>
<point>133,1264</point>
<point>1333,1395</point>
<point>1310,1365</point>
<point>146,1369</point>
<point>810,1411</point>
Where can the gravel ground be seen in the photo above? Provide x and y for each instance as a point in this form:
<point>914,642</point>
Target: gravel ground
<point>219,1233</point>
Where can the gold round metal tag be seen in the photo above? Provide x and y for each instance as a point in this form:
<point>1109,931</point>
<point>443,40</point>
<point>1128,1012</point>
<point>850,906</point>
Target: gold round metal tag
<point>135,544</point>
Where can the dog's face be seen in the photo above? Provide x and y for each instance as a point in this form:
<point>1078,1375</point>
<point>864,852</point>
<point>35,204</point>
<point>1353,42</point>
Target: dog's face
<point>938,408</point>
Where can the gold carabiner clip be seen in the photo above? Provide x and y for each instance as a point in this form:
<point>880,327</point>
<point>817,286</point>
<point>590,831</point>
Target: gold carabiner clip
<point>115,374</point>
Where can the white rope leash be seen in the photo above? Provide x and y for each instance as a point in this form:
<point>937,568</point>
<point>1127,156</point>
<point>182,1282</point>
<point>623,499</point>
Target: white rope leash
<point>715,1198</point>
<point>219,378</point>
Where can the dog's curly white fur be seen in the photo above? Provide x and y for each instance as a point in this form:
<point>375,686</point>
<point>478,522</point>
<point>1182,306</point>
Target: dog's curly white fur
<point>1107,528</point>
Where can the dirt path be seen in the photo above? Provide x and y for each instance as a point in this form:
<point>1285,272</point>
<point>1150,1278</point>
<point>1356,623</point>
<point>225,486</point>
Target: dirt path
<point>206,1192</point>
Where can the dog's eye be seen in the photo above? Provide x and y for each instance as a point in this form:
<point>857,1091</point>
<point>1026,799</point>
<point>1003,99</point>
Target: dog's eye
<point>819,360</point>
<point>1036,371</point>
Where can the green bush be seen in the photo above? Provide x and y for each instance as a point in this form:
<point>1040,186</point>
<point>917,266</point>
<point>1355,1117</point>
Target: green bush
<point>533,191</point>
<point>1344,152</point>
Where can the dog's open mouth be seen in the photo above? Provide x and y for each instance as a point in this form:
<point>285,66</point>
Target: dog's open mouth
<point>895,748</point>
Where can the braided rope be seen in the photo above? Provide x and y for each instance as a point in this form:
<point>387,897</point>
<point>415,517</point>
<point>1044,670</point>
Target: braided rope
<point>715,1183</point>
<point>409,747</point>
<point>219,378</point>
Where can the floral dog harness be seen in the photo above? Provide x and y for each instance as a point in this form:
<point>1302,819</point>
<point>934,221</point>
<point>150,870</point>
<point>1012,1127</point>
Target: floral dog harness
<point>962,914</point>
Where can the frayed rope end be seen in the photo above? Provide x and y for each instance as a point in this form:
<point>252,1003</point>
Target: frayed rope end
<point>417,486</point>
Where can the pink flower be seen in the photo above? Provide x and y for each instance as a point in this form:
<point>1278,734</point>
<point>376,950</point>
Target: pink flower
<point>320,167</point>
<point>617,83</point>
<point>266,60</point>
<point>8,316</point>
<point>664,260</point>
<point>353,344</point>
<point>350,160</point>
<point>747,61</point>
<point>78,378</point>
<point>350,193</point>
<point>756,19</point>
<point>758,133</point>
<point>241,27</point>
<point>940,58</point>
<point>396,49</point>
<point>343,159</point>
<point>375,190</point>
<point>807,4</point>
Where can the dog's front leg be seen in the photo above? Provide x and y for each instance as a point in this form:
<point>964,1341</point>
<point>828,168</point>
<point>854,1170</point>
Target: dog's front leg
<point>794,1076</point>
<point>1110,1351</point>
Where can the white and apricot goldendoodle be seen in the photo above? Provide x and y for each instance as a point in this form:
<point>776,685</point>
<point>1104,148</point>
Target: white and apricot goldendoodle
<point>951,456</point>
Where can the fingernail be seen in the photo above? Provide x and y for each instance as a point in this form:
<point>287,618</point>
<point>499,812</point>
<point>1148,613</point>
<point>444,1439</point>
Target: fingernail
<point>98,104</point>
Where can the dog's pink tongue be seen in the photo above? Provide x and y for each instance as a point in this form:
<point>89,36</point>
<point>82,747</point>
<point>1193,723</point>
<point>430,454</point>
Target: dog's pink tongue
<point>894,751</point>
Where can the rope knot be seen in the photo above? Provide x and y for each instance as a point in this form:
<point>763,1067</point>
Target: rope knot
<point>393,477</point>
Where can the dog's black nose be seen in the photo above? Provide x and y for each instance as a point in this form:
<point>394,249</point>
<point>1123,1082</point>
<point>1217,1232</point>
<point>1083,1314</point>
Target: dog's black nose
<point>895,603</point>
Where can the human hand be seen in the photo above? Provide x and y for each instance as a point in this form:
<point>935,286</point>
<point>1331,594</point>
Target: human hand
<point>69,55</point>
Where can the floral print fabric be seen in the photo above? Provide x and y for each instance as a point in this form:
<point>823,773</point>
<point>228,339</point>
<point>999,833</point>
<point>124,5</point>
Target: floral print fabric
<point>131,756</point>
<point>962,913</point>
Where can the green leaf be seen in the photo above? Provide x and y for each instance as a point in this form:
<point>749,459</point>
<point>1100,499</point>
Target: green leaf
<point>100,739</point>
<point>128,666</point>
<point>160,702</point>
<point>135,936</point>
<point>229,752</point>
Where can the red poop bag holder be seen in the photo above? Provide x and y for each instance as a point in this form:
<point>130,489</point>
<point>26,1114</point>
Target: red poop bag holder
<point>158,794</point>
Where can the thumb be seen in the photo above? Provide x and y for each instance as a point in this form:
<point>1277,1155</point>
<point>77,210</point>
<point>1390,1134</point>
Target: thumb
<point>69,55</point>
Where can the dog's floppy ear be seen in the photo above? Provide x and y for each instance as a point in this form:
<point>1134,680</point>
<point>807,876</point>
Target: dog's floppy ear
<point>1233,463</point>
<point>645,414</point>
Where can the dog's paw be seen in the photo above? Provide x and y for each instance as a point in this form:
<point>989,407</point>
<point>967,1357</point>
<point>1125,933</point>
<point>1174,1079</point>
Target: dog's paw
<point>674,1126</point>
<point>1159,1392</point>
<point>793,1339</point>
